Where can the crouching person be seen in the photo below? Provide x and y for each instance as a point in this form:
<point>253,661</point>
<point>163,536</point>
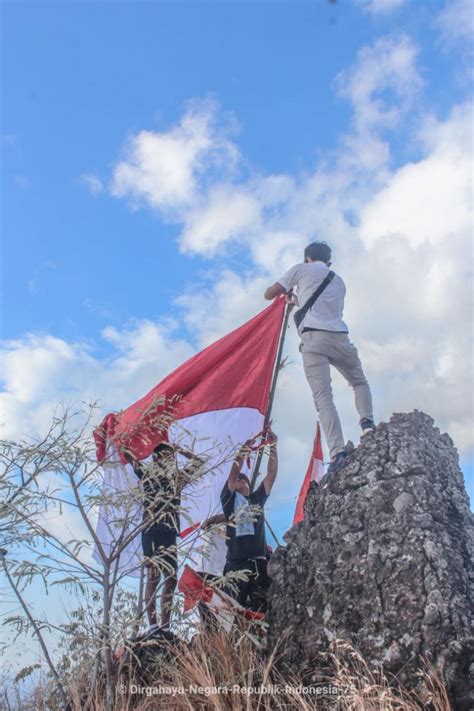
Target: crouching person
<point>246,544</point>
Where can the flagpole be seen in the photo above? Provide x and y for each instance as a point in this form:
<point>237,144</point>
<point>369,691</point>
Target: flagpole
<point>275,538</point>
<point>271,398</point>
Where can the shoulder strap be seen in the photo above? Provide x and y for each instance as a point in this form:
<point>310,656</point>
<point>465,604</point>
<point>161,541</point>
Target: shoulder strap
<point>301,313</point>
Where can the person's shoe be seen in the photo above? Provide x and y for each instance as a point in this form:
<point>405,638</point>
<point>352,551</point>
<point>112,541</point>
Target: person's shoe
<point>367,425</point>
<point>335,465</point>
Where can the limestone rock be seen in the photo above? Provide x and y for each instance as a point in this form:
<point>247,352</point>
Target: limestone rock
<point>383,560</point>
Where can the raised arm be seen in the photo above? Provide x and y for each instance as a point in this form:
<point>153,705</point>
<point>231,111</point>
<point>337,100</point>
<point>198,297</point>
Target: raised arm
<point>213,521</point>
<point>237,464</point>
<point>272,468</point>
<point>235,470</point>
<point>284,285</point>
<point>274,290</point>
<point>186,453</point>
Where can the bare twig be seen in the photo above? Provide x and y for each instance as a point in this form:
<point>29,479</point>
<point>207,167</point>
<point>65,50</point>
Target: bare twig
<point>35,628</point>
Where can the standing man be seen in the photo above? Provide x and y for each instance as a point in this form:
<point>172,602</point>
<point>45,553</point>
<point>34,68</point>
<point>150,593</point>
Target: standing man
<point>244,514</point>
<point>162,482</point>
<point>325,342</point>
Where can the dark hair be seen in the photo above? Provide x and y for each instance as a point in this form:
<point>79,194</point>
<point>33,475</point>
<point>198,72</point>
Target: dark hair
<point>244,476</point>
<point>163,448</point>
<point>318,252</point>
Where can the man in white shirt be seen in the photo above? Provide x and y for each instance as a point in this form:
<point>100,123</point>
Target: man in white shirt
<point>325,342</point>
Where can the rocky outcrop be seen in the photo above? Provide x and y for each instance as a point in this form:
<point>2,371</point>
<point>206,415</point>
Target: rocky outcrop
<point>383,560</point>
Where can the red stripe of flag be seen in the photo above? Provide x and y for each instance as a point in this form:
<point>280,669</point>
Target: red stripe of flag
<point>234,372</point>
<point>193,587</point>
<point>189,530</point>
<point>314,472</point>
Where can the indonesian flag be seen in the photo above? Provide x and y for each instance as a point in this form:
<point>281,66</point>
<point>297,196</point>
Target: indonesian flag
<point>217,399</point>
<point>195,591</point>
<point>315,472</point>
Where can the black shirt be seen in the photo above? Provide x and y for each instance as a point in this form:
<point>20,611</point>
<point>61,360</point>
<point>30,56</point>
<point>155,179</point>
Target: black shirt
<point>161,496</point>
<point>246,546</point>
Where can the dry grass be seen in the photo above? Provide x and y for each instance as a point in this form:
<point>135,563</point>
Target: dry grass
<point>216,661</point>
<point>371,689</point>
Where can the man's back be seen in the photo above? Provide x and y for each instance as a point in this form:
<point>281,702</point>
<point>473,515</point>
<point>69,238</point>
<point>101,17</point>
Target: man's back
<point>325,343</point>
<point>327,312</point>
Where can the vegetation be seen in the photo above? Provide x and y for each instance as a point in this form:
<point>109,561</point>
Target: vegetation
<point>52,492</point>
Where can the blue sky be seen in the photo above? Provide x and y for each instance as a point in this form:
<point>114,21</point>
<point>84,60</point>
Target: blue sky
<point>316,114</point>
<point>81,77</point>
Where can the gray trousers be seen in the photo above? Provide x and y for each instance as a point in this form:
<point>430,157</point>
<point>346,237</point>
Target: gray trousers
<point>320,350</point>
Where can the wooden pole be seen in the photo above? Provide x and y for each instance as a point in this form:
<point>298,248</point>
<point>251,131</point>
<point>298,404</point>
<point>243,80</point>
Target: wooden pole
<point>272,394</point>
<point>275,538</point>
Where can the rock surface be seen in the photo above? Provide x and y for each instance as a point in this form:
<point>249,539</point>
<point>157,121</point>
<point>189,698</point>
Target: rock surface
<point>383,560</point>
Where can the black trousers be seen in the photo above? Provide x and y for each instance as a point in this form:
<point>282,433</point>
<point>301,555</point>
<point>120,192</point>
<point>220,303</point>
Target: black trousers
<point>159,547</point>
<point>252,592</point>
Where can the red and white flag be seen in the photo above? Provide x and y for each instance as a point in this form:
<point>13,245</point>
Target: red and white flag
<point>225,608</point>
<point>218,398</point>
<point>315,472</point>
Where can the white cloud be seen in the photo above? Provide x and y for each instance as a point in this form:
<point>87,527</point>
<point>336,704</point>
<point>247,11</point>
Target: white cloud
<point>45,353</point>
<point>191,174</point>
<point>381,87</point>
<point>211,312</point>
<point>228,214</point>
<point>92,183</point>
<point>380,7</point>
<point>430,199</point>
<point>456,21</point>
<point>389,65</point>
<point>162,170</point>
<point>40,371</point>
